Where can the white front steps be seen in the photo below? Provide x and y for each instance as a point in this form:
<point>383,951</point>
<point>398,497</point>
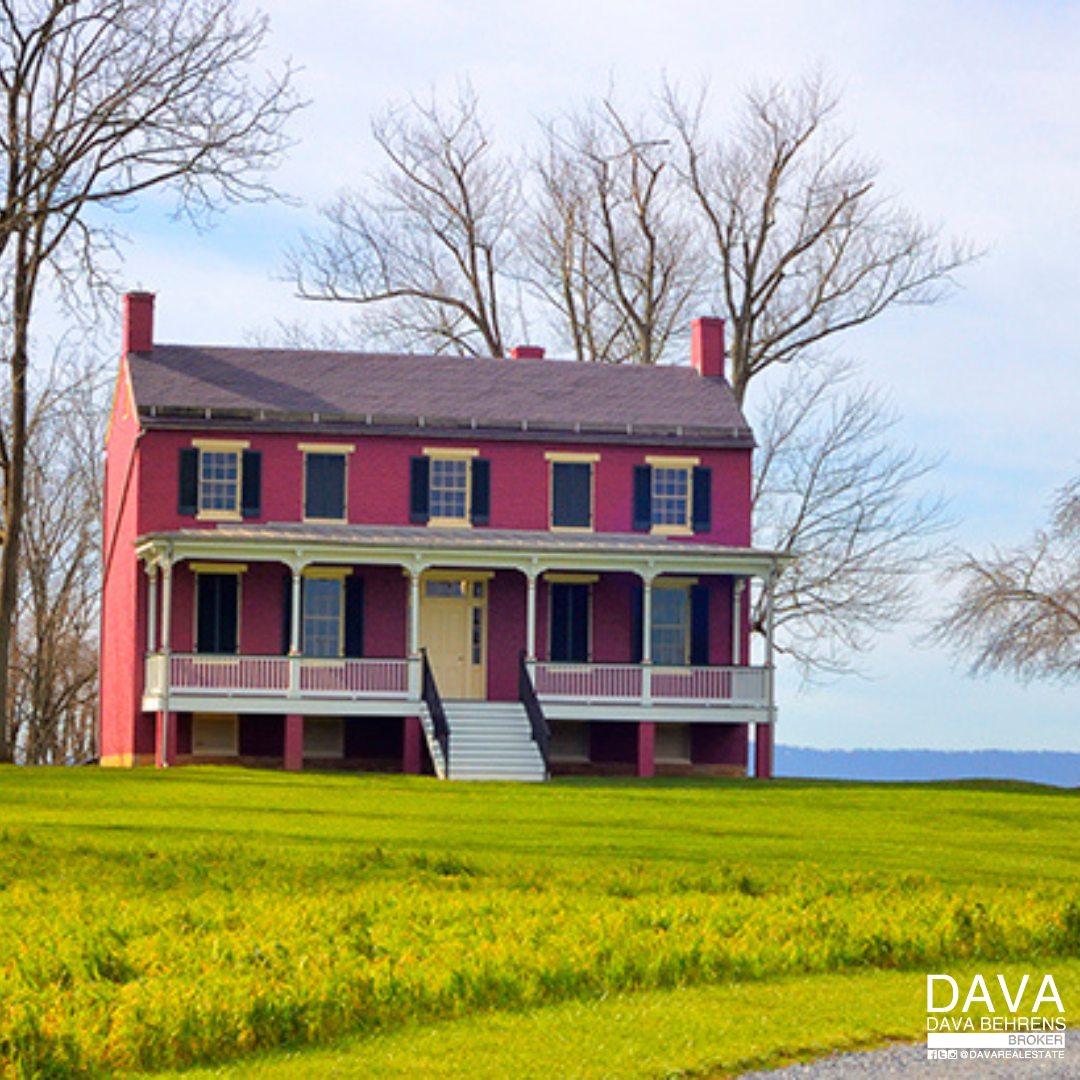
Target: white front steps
<point>492,740</point>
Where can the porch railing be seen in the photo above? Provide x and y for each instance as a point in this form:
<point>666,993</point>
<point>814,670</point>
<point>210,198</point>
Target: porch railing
<point>278,676</point>
<point>541,732</point>
<point>637,683</point>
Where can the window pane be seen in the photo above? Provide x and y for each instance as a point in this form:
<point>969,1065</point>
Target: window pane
<point>322,617</point>
<point>571,497</point>
<point>671,496</point>
<point>449,488</point>
<point>324,489</point>
<point>671,625</point>
<point>219,481</point>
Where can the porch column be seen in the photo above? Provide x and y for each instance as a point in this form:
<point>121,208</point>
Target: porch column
<point>646,749</point>
<point>530,615</point>
<point>294,742</point>
<point>414,633</point>
<point>646,639</point>
<point>166,606</point>
<point>295,613</point>
<point>151,608</point>
<point>412,748</point>
<point>764,733</point>
<point>736,622</point>
<point>166,739</point>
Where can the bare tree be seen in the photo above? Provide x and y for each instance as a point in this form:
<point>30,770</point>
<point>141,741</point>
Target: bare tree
<point>54,647</point>
<point>431,248</point>
<point>103,100</point>
<point>833,490</point>
<point>803,243</point>
<point>615,254</point>
<point>1018,610</point>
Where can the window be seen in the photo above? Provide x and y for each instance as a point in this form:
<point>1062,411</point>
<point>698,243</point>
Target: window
<point>670,497</point>
<point>324,737</point>
<point>670,626</point>
<point>215,735</point>
<point>324,486</point>
<point>571,494</point>
<point>450,487</point>
<point>322,622</point>
<point>220,480</point>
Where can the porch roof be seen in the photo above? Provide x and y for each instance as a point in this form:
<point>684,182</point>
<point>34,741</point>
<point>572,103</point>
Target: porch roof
<point>419,547</point>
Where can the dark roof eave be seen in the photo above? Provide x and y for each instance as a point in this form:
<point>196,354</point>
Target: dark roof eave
<point>181,418</point>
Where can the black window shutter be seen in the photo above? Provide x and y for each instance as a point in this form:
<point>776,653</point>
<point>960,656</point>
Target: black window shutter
<point>702,499</point>
<point>571,497</point>
<point>286,612</point>
<point>324,495</point>
<point>642,498</point>
<point>579,624</point>
<point>189,482</point>
<point>637,620</point>
<point>699,626</point>
<point>419,493</point>
<point>354,616</point>
<point>251,475</point>
<point>228,613</point>
<point>480,512</point>
<point>560,623</point>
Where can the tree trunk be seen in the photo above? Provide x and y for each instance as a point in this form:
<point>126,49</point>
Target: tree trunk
<point>14,494</point>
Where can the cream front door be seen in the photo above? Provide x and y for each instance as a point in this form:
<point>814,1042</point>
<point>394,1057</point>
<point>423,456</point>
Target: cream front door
<point>453,629</point>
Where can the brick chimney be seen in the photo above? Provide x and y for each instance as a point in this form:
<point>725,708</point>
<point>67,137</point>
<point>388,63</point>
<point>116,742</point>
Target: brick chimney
<point>707,347</point>
<point>138,322</point>
<point>527,352</point>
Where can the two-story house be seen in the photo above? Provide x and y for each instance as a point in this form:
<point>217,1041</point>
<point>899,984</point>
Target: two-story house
<point>482,568</point>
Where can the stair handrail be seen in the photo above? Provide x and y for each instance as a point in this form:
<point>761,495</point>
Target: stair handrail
<point>429,691</point>
<point>541,731</point>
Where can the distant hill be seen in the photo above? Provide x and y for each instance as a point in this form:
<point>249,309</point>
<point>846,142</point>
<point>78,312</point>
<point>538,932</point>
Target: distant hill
<point>1039,767</point>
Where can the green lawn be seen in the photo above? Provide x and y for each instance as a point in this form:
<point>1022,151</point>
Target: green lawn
<point>161,920</point>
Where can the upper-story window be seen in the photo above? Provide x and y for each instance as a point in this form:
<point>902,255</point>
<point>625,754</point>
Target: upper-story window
<point>220,480</point>
<point>450,487</point>
<point>572,490</point>
<point>325,481</point>
<point>672,496</point>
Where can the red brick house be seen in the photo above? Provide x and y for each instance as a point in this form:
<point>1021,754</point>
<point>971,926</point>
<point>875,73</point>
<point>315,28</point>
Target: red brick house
<point>477,567</point>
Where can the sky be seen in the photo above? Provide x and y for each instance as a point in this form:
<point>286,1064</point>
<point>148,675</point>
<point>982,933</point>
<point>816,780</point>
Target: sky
<point>969,107</point>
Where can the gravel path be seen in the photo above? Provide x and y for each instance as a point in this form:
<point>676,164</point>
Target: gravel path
<point>911,1063</point>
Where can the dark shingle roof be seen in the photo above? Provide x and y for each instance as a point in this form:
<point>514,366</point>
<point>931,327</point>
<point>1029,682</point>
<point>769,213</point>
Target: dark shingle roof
<point>287,387</point>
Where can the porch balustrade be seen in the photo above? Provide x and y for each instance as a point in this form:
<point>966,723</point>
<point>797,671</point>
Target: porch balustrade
<point>399,679</point>
<point>635,683</point>
<point>278,676</point>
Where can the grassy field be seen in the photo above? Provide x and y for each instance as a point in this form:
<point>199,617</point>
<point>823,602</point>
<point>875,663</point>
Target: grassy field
<point>156,921</point>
